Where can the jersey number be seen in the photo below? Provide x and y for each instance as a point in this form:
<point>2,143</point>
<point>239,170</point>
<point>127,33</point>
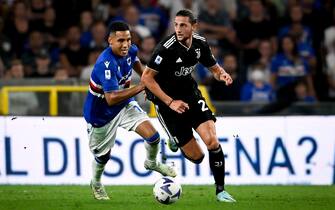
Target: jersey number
<point>203,105</point>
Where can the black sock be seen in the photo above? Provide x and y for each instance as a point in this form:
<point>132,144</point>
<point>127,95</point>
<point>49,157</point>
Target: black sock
<point>217,165</point>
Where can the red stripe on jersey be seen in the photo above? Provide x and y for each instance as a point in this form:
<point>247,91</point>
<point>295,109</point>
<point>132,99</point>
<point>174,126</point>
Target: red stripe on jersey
<point>96,89</point>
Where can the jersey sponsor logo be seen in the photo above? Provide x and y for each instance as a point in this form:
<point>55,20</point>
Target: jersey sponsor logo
<point>198,53</point>
<point>184,71</point>
<point>158,59</point>
<point>179,60</point>
<point>106,63</point>
<point>129,61</point>
<point>108,74</point>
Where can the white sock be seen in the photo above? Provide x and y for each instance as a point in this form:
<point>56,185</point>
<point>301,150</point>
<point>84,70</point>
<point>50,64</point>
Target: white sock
<point>151,150</point>
<point>97,170</point>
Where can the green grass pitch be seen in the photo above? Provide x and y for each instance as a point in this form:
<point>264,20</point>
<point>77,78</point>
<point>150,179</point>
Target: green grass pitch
<point>27,197</point>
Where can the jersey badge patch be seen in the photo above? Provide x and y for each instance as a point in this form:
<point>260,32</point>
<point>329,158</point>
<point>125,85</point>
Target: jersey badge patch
<point>158,60</point>
<point>179,60</point>
<point>198,53</point>
<point>129,61</point>
<point>108,74</point>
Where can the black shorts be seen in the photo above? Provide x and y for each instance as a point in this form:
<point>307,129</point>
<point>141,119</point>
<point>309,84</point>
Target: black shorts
<point>180,125</point>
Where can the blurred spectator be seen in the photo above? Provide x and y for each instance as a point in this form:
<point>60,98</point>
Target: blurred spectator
<point>68,12</point>
<point>37,9</point>
<point>49,27</point>
<point>330,67</point>
<point>219,90</point>
<point>117,9</point>
<point>253,29</point>
<point>295,26</point>
<point>257,89</point>
<point>100,9</point>
<point>87,70</point>
<point>316,16</point>
<point>153,17</point>
<point>17,27</point>
<point>20,103</point>
<point>263,63</point>
<point>61,74</point>
<point>86,21</point>
<point>288,69</point>
<point>329,35</point>
<point>302,35</point>
<point>302,94</point>
<point>214,23</point>
<point>173,6</point>
<point>6,53</point>
<point>35,47</point>
<point>73,57</point>
<point>132,17</point>
<point>64,98</point>
<point>146,49</point>
<point>329,43</point>
<point>43,66</point>
<point>99,36</point>
<point>2,69</point>
<point>230,7</point>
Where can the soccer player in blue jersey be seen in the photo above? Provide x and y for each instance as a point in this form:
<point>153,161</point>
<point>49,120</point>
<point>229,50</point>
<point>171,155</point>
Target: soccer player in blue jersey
<point>110,104</point>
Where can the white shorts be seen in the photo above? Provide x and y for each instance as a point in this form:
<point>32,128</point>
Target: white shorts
<point>102,139</point>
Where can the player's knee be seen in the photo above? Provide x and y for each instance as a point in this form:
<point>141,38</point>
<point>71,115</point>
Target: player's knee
<point>103,159</point>
<point>212,144</point>
<point>154,139</point>
<point>199,160</point>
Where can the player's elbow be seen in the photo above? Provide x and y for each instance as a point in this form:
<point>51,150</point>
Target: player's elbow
<point>147,77</point>
<point>111,99</point>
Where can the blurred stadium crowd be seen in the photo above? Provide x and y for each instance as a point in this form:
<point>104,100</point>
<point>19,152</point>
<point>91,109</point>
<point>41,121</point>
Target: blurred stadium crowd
<point>275,50</point>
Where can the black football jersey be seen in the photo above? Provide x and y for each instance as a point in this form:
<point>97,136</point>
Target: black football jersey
<point>175,63</point>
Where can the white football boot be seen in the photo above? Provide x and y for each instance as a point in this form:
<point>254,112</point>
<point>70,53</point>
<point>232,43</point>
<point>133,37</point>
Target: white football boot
<point>161,168</point>
<point>99,191</point>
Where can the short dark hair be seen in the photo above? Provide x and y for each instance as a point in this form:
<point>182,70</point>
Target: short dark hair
<point>187,13</point>
<point>118,26</point>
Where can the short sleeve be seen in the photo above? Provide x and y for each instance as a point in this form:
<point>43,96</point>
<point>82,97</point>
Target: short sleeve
<point>107,77</point>
<point>206,57</point>
<point>157,61</point>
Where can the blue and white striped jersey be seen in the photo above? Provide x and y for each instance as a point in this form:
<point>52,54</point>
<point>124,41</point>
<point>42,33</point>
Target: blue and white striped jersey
<point>110,73</point>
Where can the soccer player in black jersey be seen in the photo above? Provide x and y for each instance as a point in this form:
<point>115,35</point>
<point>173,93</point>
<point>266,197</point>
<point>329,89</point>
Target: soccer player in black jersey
<point>178,100</point>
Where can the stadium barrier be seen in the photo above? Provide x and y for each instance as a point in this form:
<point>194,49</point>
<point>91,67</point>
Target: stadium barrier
<point>53,92</point>
<point>258,150</point>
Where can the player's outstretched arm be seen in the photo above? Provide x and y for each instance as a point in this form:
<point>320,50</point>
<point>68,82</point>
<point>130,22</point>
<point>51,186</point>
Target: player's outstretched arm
<point>220,74</point>
<point>117,96</point>
<point>138,67</point>
<point>148,79</point>
<point>150,82</point>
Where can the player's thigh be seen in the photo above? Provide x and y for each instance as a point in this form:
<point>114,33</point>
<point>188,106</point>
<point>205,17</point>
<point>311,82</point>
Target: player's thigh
<point>200,112</point>
<point>178,126</point>
<point>102,139</point>
<point>192,149</point>
<point>207,133</point>
<point>135,119</point>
